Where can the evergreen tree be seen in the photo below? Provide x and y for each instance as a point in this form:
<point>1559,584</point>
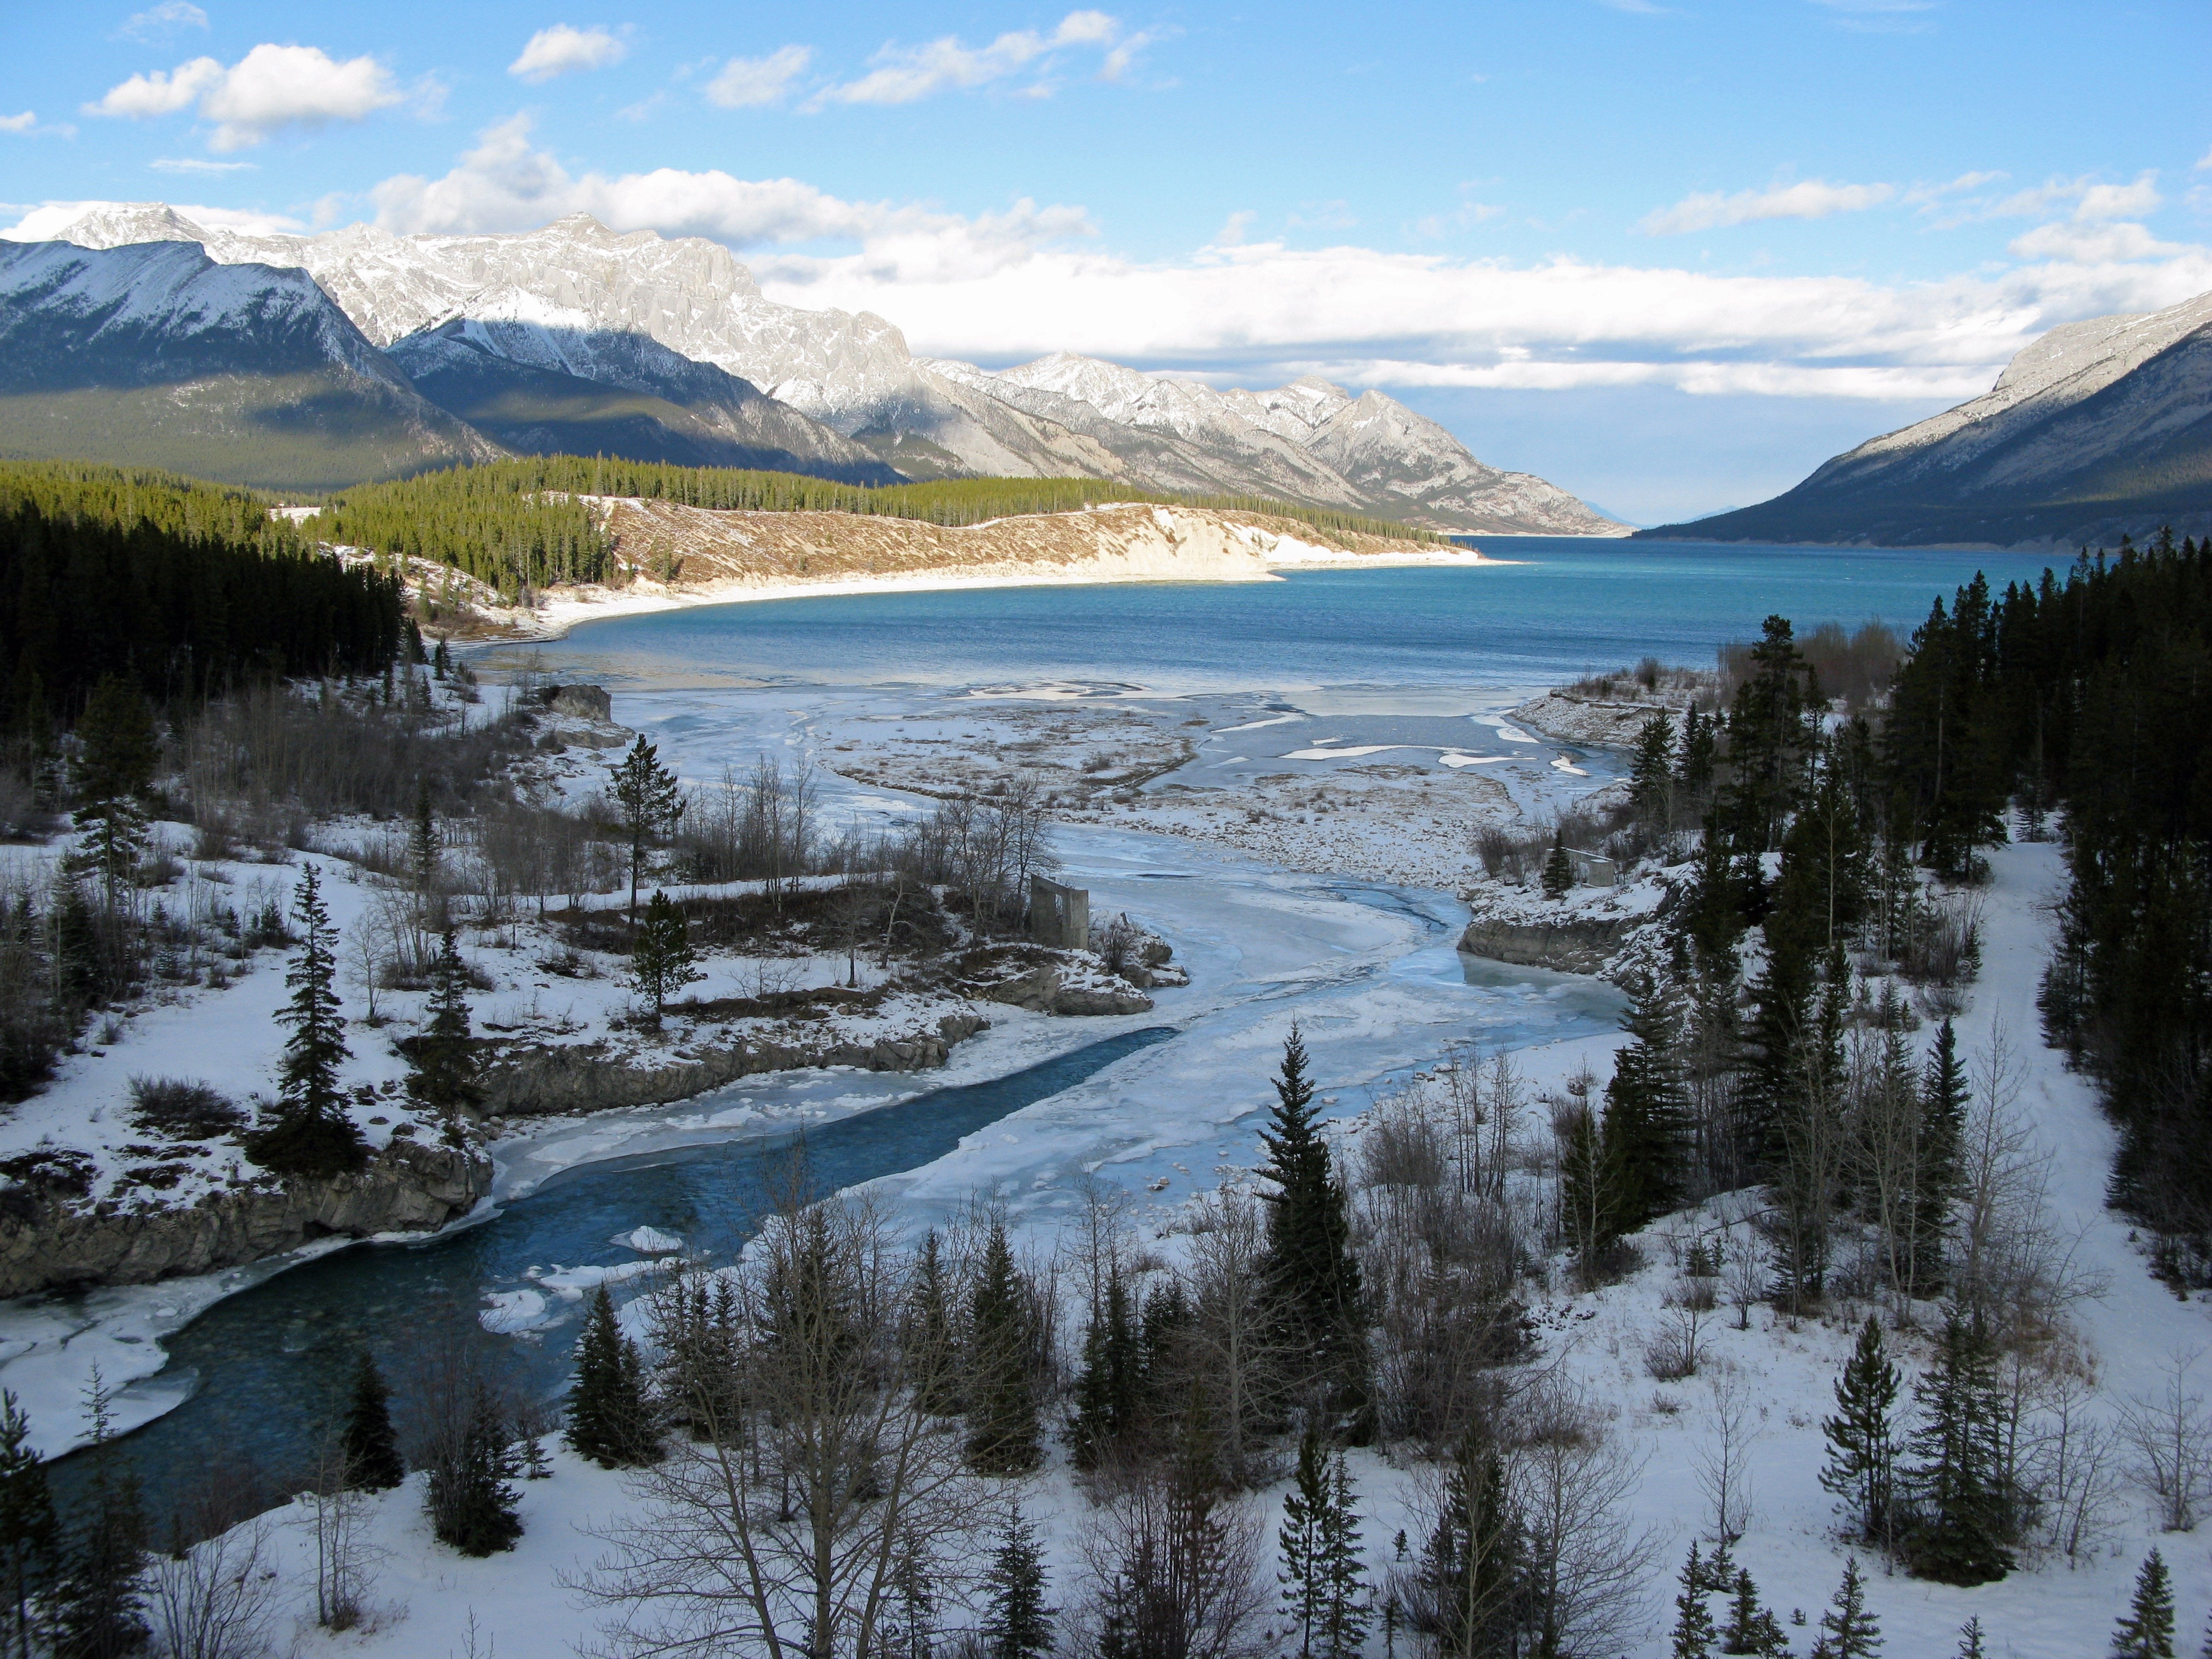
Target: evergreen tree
<point>472,1505</point>
<point>313,1134</point>
<point>1589,1206</point>
<point>97,1604</point>
<point>1652,776</point>
<point>1848,1630</point>
<point>1002,1417</point>
<point>1647,1134</point>
<point>1558,873</point>
<point>1312,1275</point>
<point>372,1462</point>
<point>1962,1520</point>
<point>1713,920</point>
<point>443,1080</point>
<point>935,1345</point>
<point>1770,738</point>
<point>647,798</point>
<point>608,1419</point>
<point>2146,1631</point>
<point>662,961</point>
<point>1108,1389</point>
<point>1695,764</point>
<point>1694,1634</point>
<point>28,1533</point>
<point>1016,1623</point>
<point>1861,1455</point>
<point>1969,1640</point>
<point>422,848</point>
<point>1473,1565</point>
<point>1321,1575</point>
<point>115,768</point>
<point>1942,1128</point>
<point>1752,1628</point>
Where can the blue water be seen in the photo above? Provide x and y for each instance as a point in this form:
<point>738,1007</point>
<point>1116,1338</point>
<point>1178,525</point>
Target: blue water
<point>1565,608</point>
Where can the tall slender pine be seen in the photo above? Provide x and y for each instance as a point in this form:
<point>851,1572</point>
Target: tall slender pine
<point>312,1134</point>
<point>1002,1416</point>
<point>2147,1630</point>
<point>372,1462</point>
<point>1862,1454</point>
<point>1313,1278</point>
<point>608,1419</point>
<point>28,1533</point>
<point>1016,1623</point>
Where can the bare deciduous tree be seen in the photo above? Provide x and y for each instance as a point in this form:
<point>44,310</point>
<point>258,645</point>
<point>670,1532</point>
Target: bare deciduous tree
<point>2172,1441</point>
<point>214,1600</point>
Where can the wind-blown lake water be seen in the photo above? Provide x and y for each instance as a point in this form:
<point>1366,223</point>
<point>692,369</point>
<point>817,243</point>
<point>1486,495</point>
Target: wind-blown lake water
<point>1369,969</point>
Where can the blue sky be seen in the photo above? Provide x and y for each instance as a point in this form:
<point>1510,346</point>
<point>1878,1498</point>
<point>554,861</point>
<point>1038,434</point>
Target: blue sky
<point>1671,255</point>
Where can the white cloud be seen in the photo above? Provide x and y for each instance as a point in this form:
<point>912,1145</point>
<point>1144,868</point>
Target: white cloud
<point>1879,16</point>
<point>755,82</point>
<point>197,165</point>
<point>270,89</point>
<point>2205,163</point>
<point>1810,198</point>
<point>905,74</point>
<point>158,24</point>
<point>27,122</point>
<point>2096,242</point>
<point>562,50</point>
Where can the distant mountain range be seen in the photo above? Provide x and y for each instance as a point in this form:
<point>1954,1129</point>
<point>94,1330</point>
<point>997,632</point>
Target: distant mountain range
<point>2100,429</point>
<point>404,352</point>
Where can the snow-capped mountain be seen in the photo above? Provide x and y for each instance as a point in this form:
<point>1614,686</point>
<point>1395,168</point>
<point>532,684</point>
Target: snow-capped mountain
<point>156,354</point>
<point>2099,428</point>
<point>558,300</point>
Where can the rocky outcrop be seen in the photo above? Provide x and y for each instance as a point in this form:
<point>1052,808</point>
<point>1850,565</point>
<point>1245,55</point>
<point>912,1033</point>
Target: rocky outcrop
<point>539,1082</point>
<point>1053,987</point>
<point>1576,945</point>
<point>50,1243</point>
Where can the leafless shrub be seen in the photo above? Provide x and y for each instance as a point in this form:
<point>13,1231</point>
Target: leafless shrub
<point>1174,1567</point>
<point>1674,1347</point>
<point>2171,1440</point>
<point>1724,1461</point>
<point>181,1109</point>
<point>214,1600</point>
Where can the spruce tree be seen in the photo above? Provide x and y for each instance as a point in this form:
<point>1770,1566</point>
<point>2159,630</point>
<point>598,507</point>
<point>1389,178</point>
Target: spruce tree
<point>472,1505</point>
<point>372,1462</point>
<point>1558,873</point>
<point>2146,1631</point>
<point>1848,1630</point>
<point>608,1419</point>
<point>1647,1133</point>
<point>1942,1127</point>
<point>1345,1609</point>
<point>1107,1389</point>
<point>313,1134</point>
<point>1969,1640</point>
<point>1694,1634</point>
<point>115,768</point>
<point>662,961</point>
<point>28,1532</point>
<point>1312,1276</point>
<point>1861,1456</point>
<point>1002,1417</point>
<point>1473,1565</point>
<point>1962,1522</point>
<point>443,1080</point>
<point>1752,1628</point>
<point>1016,1623</point>
<point>96,1602</point>
<point>1589,1204</point>
<point>934,1346</point>
<point>646,798</point>
<point>1695,762</point>
<point>423,849</point>
<point>1299,1539</point>
<point>1652,778</point>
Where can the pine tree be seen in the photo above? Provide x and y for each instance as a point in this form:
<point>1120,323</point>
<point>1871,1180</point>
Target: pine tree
<point>1652,778</point>
<point>609,1419</point>
<point>422,848</point>
<point>1943,1126</point>
<point>934,1349</point>
<point>1345,1610</point>
<point>469,1497</point>
<point>1559,874</point>
<point>372,1462</point>
<point>1315,1555</point>
<point>1712,920</point>
<point>1695,763</point>
<point>1589,1204</point>
<point>97,1606</point>
<point>1016,1623</point>
<point>312,1133</point>
<point>443,1080</point>
<point>1694,1634</point>
<point>1752,1628</point>
<point>115,768</point>
<point>28,1532</point>
<point>1962,1521</point>
<point>1472,1565</point>
<point>1861,1453</point>
<point>1107,1389</point>
<point>662,961</point>
<point>1646,1142</point>
<point>647,797</point>
<point>1848,1630</point>
<point>1002,1417</point>
<point>2147,1631</point>
<point>1969,1640</point>
<point>1312,1276</point>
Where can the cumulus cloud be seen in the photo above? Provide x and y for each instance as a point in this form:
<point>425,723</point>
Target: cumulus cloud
<point>27,122</point>
<point>1810,198</point>
<point>197,165</point>
<point>755,82</point>
<point>270,89</point>
<point>562,50</point>
<point>158,24</point>
<point>906,74</point>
